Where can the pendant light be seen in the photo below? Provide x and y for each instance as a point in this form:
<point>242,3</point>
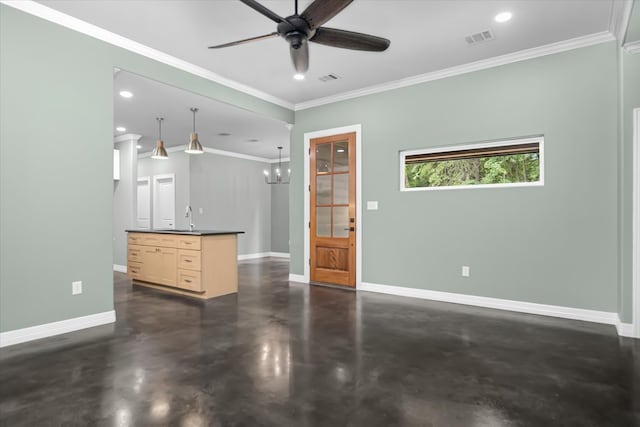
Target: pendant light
<point>194,146</point>
<point>278,178</point>
<point>159,152</point>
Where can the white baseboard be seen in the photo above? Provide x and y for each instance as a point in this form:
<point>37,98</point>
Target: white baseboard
<point>625,329</point>
<point>18,336</point>
<point>296,278</point>
<point>279,255</point>
<point>263,255</point>
<point>120,268</point>
<point>500,304</point>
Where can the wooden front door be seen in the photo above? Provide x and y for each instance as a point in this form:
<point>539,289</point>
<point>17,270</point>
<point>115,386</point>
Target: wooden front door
<point>333,209</point>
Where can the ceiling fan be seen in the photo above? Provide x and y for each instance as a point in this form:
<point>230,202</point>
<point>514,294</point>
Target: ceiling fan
<point>298,29</point>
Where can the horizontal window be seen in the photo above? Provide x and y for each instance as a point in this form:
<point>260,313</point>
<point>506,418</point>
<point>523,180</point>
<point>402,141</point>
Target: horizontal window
<point>500,163</point>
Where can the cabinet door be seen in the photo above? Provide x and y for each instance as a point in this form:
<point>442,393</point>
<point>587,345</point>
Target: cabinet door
<point>166,264</point>
<point>149,268</point>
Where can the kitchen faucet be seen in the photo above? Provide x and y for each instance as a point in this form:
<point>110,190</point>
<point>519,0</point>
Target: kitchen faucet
<point>189,214</point>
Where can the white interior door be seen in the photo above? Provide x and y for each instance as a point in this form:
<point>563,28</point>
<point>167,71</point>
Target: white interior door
<point>143,203</point>
<point>164,201</point>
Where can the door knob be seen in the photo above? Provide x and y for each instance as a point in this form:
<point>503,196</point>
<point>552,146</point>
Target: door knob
<point>350,229</point>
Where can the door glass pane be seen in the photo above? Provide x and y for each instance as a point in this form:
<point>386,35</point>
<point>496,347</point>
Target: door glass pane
<point>323,190</point>
<point>341,221</point>
<point>323,158</point>
<point>323,222</point>
<point>341,156</point>
<point>341,189</point>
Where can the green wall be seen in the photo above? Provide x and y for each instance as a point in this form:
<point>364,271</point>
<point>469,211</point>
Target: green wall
<point>555,244</point>
<point>629,100</point>
<point>56,188</point>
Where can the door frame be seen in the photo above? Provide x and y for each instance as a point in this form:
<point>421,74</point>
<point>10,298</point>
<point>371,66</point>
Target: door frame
<point>635,251</point>
<point>308,136</point>
<point>154,201</point>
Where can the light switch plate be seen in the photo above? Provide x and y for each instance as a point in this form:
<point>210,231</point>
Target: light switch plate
<point>465,271</point>
<point>372,205</point>
<point>201,211</point>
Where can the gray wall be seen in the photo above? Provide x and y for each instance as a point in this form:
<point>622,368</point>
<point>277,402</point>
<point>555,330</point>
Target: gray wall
<point>178,164</point>
<point>629,85</point>
<point>555,244</point>
<point>124,199</point>
<point>56,199</point>
<point>280,214</point>
<point>233,195</point>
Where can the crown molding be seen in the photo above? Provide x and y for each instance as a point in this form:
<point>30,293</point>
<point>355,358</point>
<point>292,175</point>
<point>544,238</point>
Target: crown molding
<point>633,47</point>
<point>127,137</point>
<point>619,18</point>
<point>224,153</point>
<point>484,64</point>
<point>68,21</point>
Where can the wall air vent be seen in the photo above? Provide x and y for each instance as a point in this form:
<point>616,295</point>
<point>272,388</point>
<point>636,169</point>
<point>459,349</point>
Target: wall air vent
<point>482,36</point>
<point>328,78</point>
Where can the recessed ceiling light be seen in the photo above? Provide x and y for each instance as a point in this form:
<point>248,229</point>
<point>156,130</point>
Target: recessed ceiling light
<point>298,76</point>
<point>121,129</point>
<point>253,140</point>
<point>125,94</point>
<point>138,146</point>
<point>224,134</point>
<point>503,16</point>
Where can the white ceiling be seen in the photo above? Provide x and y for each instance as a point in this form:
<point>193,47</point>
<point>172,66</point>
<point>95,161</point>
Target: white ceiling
<point>426,36</point>
<point>152,99</point>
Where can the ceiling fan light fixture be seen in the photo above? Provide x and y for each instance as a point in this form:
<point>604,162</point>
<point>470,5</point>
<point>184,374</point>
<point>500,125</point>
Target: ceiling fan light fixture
<point>159,153</point>
<point>298,76</point>
<point>194,146</point>
<point>126,94</point>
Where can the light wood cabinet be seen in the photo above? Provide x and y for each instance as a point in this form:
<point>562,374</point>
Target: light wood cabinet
<point>201,266</point>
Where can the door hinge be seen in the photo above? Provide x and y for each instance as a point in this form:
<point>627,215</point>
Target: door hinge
<point>309,261</point>
<point>309,150</point>
<point>309,187</point>
<point>309,224</point>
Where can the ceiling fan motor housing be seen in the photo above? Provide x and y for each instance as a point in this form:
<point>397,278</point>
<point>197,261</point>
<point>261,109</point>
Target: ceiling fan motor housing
<point>295,30</point>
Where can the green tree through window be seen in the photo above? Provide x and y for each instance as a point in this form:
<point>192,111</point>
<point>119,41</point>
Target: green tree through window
<point>453,169</point>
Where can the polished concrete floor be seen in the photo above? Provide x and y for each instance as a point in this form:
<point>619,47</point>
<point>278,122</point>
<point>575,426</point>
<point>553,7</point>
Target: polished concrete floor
<point>285,354</point>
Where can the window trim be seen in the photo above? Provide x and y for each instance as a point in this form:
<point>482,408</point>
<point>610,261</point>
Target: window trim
<point>489,144</point>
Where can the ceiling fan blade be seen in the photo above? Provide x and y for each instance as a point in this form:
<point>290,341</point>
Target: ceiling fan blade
<point>320,11</point>
<point>252,39</point>
<point>350,40</point>
<point>300,57</point>
<point>263,10</point>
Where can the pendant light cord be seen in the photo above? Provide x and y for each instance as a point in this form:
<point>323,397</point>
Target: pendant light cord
<point>159,119</point>
<point>194,110</point>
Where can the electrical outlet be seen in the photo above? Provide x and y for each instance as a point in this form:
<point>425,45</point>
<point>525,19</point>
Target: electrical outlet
<point>372,205</point>
<point>465,271</point>
<point>76,288</point>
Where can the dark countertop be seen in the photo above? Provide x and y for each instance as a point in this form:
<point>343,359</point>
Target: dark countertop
<point>187,232</point>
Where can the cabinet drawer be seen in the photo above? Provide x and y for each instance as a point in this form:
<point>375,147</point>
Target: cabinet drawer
<point>189,242</point>
<point>189,260</point>
<point>134,253</point>
<point>160,240</point>
<point>135,238</point>
<point>190,280</point>
<point>134,270</point>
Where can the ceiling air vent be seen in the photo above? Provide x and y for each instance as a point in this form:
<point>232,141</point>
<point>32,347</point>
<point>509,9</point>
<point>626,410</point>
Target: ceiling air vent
<point>482,36</point>
<point>328,78</point>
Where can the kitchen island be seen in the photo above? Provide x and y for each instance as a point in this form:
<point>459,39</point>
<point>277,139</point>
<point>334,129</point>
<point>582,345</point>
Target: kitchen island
<point>198,263</point>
